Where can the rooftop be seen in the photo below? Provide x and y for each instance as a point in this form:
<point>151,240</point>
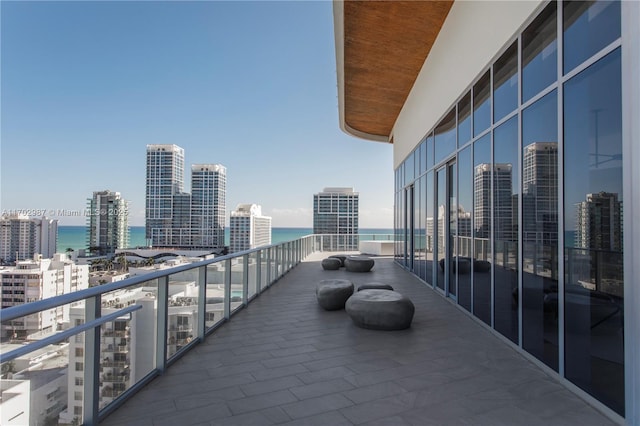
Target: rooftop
<point>284,360</point>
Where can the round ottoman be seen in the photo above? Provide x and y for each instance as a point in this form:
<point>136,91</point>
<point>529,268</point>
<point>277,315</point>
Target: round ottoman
<point>332,294</point>
<point>374,286</point>
<point>330,264</point>
<point>380,310</point>
<point>358,263</point>
<point>341,257</point>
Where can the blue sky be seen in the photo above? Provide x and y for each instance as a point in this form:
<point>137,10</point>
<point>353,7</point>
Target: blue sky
<point>250,85</point>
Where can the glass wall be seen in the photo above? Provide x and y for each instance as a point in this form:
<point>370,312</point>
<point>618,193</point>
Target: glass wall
<point>539,53</point>
<point>505,227</point>
<point>540,229</point>
<point>465,204</point>
<point>481,266</point>
<point>536,149</point>
<point>594,281</point>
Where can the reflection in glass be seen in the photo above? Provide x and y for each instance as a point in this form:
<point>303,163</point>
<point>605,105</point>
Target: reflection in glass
<point>445,136</point>
<point>465,203</point>
<point>588,27</point>
<point>464,119</point>
<point>429,151</point>
<point>214,312</point>
<point>418,265</point>
<point>422,245</point>
<point>505,228</point>
<point>482,104</point>
<point>409,172</point>
<point>481,265</point>
<point>540,229</point>
<point>594,281</point>
<point>429,248</point>
<point>452,239</point>
<point>421,159</point>
<point>505,83</point>
<point>182,319</point>
<point>539,53</point>
<point>441,217</point>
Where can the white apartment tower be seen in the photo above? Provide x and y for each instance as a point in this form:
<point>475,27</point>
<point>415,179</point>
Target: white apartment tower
<point>599,222</point>
<point>540,192</point>
<point>175,218</point>
<point>107,222</point>
<point>335,211</point>
<point>22,237</point>
<point>37,279</point>
<point>208,205</point>
<point>165,178</point>
<point>248,228</point>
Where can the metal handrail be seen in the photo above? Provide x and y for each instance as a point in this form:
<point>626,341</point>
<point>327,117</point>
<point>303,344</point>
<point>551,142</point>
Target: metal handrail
<point>31,308</point>
<point>279,259</point>
<point>59,337</point>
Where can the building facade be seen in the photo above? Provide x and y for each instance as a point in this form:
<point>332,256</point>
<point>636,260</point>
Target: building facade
<point>165,178</point>
<point>37,279</point>
<point>178,219</point>
<point>107,222</point>
<point>208,205</point>
<point>335,212</point>
<point>248,228</point>
<point>22,237</point>
<point>551,90</point>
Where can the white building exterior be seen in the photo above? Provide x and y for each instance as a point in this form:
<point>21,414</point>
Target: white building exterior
<point>107,222</point>
<point>21,237</point>
<point>165,178</point>
<point>175,218</point>
<point>208,205</point>
<point>335,211</point>
<point>248,228</point>
<point>37,279</point>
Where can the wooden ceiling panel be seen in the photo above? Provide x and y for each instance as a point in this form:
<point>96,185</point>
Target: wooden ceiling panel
<point>385,46</point>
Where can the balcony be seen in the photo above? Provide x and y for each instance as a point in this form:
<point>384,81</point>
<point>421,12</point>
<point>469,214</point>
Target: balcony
<point>284,359</point>
<point>275,356</point>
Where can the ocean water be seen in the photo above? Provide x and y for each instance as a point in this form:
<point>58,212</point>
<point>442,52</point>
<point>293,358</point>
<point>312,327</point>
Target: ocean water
<point>75,237</point>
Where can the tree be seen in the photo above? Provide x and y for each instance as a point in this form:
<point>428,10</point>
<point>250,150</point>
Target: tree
<point>69,250</point>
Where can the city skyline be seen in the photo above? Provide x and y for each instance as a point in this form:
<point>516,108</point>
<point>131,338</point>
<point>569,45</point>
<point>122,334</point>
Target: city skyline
<point>215,78</point>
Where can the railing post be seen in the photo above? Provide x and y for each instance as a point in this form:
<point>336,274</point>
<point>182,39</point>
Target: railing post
<point>259,272</point>
<point>245,279</point>
<point>161,331</point>
<point>227,289</point>
<point>91,366</point>
<point>202,301</point>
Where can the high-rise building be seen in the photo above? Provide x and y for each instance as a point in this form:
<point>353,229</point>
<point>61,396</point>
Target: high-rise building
<point>107,222</point>
<point>22,237</point>
<point>208,205</point>
<point>599,222</point>
<point>335,211</point>
<point>248,228</point>
<point>36,279</point>
<point>540,192</point>
<point>175,218</point>
<point>165,178</point>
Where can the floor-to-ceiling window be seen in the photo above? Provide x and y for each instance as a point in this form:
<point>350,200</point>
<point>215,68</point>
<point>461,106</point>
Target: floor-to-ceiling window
<point>536,144</point>
<point>593,228</point>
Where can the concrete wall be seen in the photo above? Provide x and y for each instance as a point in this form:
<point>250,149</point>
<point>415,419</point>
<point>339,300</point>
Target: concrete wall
<point>472,35</point>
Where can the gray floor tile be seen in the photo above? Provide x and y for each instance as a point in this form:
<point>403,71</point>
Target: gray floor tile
<point>270,385</point>
<point>258,402</point>
<point>314,406</point>
<point>321,388</point>
<point>284,360</point>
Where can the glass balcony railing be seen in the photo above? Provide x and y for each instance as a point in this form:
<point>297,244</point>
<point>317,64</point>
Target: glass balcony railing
<point>154,318</point>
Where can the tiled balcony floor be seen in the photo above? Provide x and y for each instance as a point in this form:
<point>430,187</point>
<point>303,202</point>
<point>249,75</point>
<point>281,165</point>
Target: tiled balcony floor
<point>284,360</point>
